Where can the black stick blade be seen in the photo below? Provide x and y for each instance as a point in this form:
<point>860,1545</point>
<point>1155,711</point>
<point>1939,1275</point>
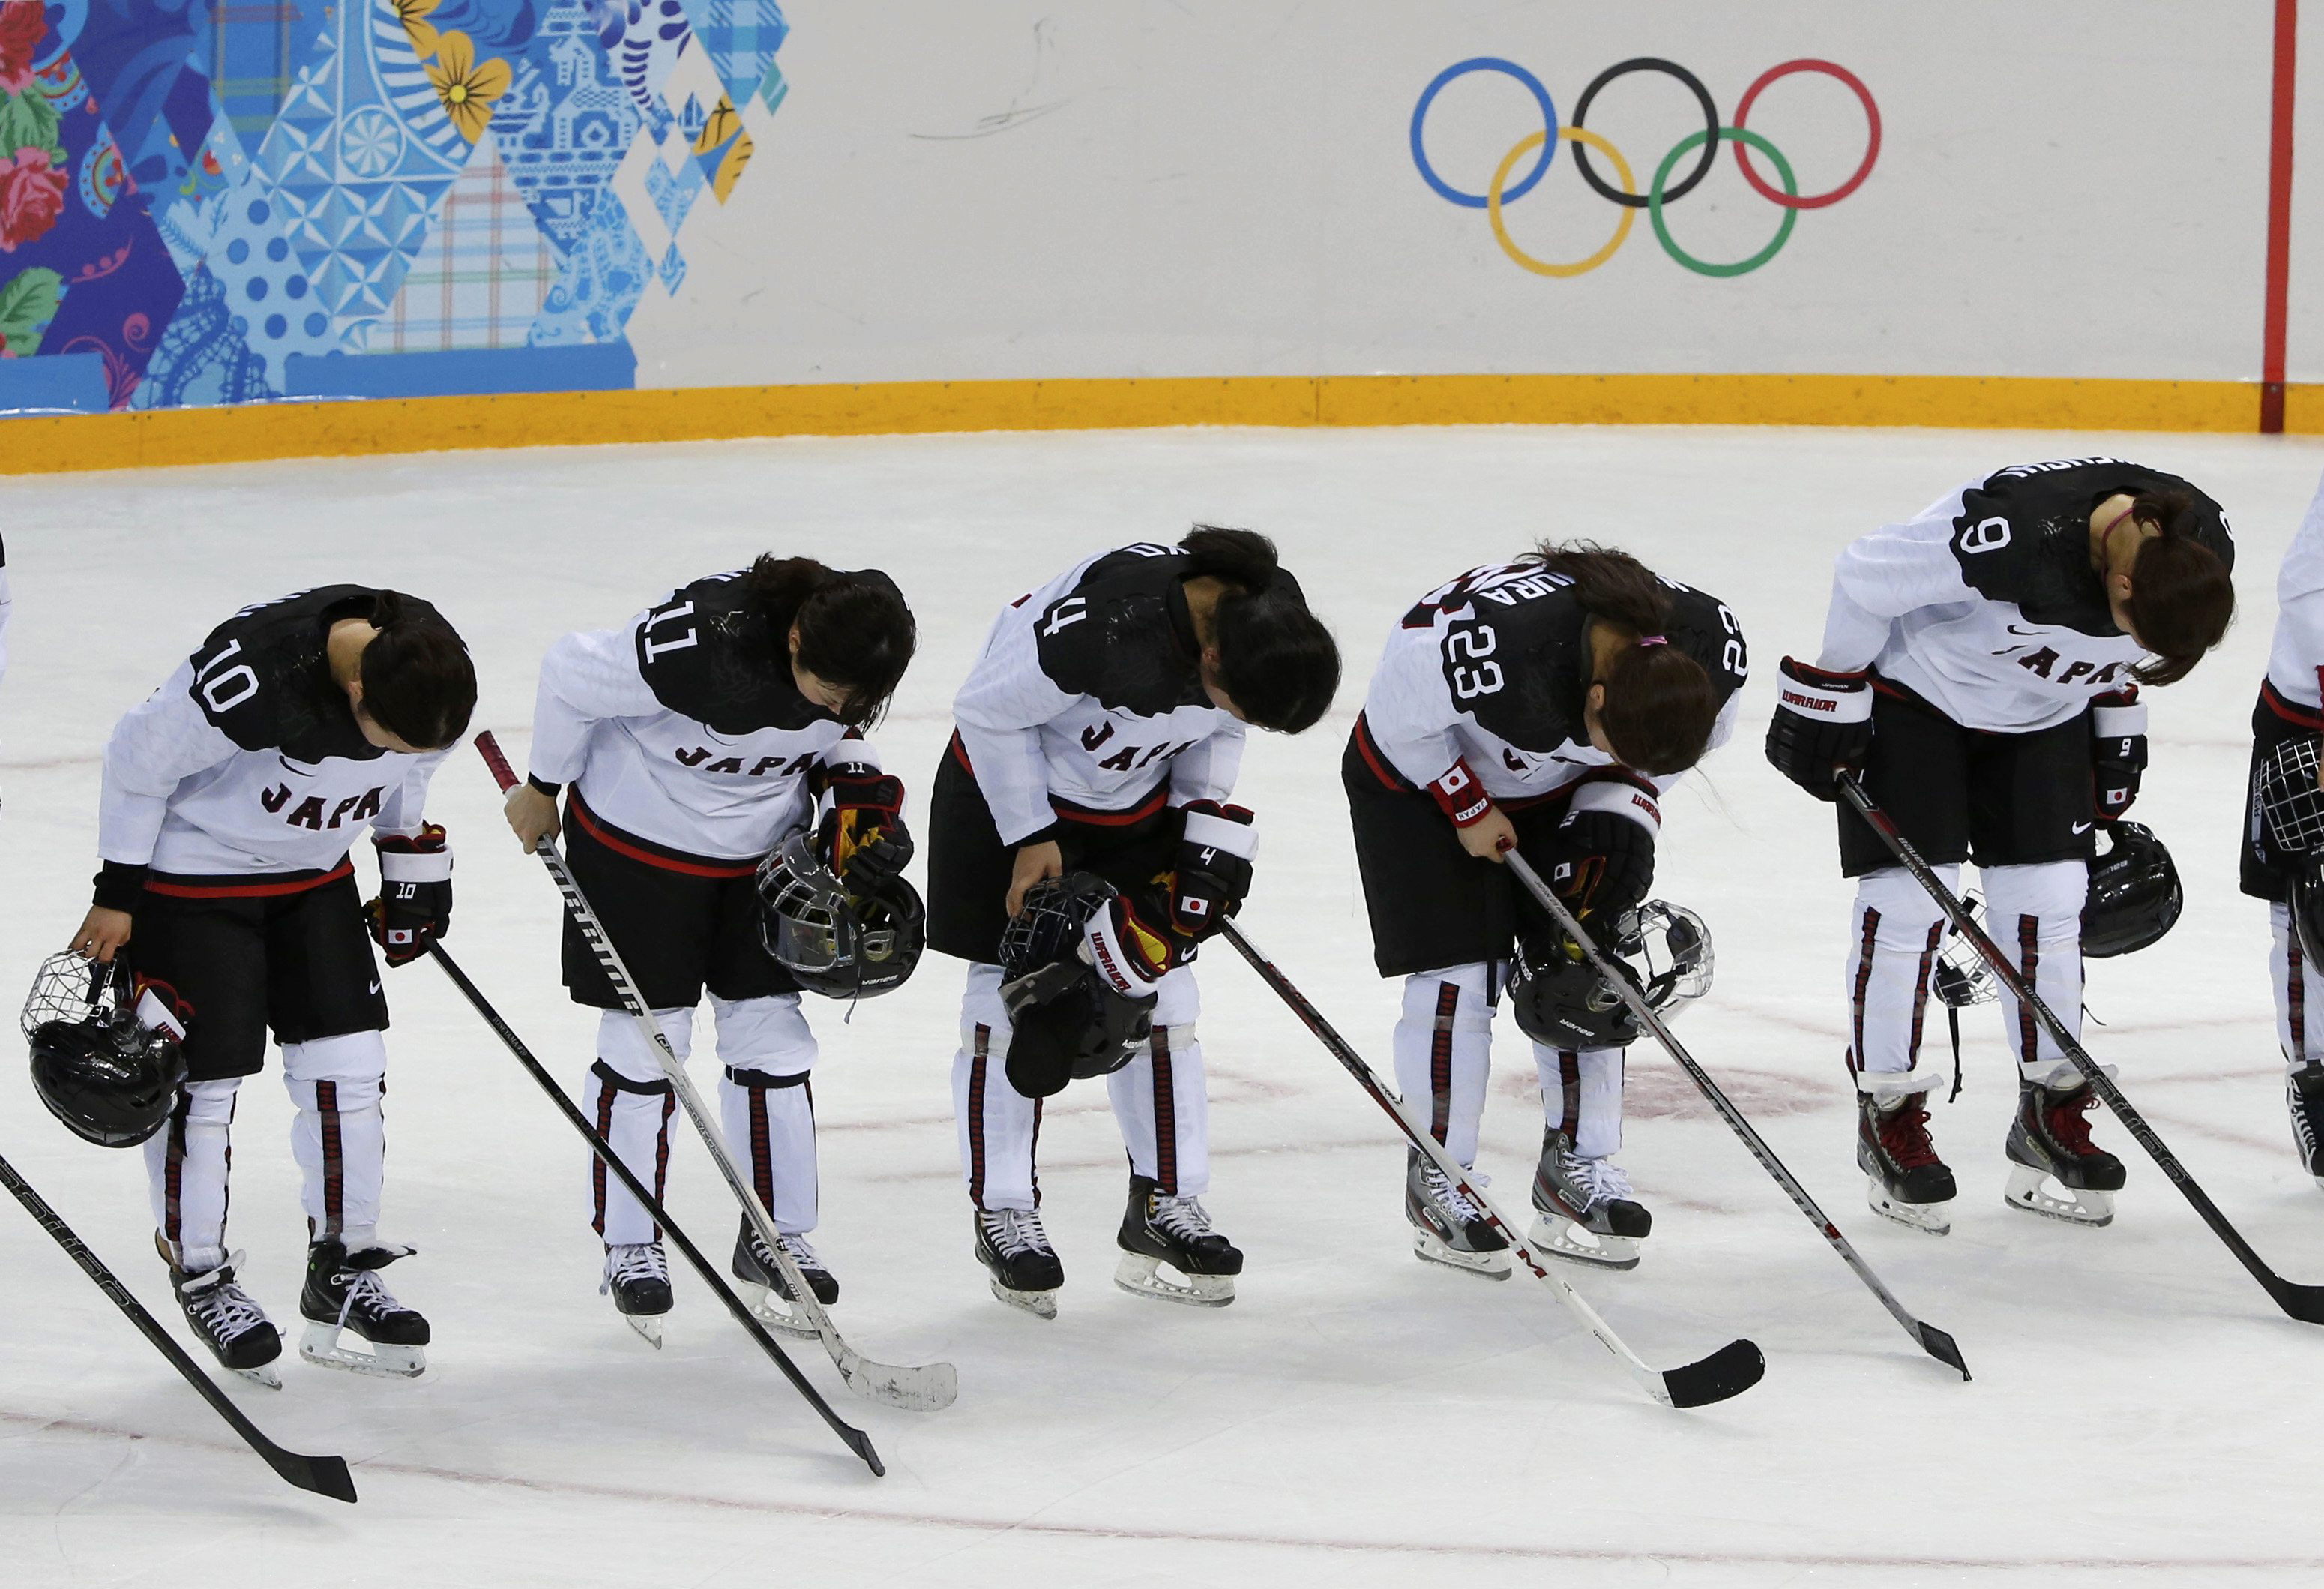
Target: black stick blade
<point>860,1442</point>
<point>2305,1303</point>
<point>1940,1345</point>
<point>324,1475</point>
<point>1731,1371</point>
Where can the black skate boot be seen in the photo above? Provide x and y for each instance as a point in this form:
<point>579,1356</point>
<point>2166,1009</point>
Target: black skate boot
<point>1905,1180</point>
<point>1156,1230</point>
<point>1025,1273</point>
<point>344,1293</point>
<point>762,1278</point>
<point>231,1323</point>
<point>1578,1197</point>
<point>1447,1228</point>
<point>2303,1095</point>
<point>637,1274</point>
<point>2051,1138</point>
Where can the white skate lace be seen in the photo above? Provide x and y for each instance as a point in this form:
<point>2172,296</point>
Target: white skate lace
<point>224,1308</point>
<point>1012,1231</point>
<point>801,1254</point>
<point>1182,1217</point>
<point>363,1287</point>
<point>1600,1180</point>
<point>1440,1189</point>
<point>633,1260</point>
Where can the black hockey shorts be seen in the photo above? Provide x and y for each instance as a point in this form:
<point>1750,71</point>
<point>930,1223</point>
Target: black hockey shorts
<point>679,922</point>
<point>2006,799</point>
<point>2265,875</point>
<point>288,952</point>
<point>969,867</point>
<point>1432,902</point>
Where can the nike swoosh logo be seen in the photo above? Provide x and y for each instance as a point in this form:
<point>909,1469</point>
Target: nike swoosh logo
<point>2081,827</point>
<point>374,986</point>
<point>2013,628</point>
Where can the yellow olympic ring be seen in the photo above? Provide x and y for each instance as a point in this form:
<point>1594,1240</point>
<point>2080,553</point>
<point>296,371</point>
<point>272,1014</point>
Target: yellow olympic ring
<point>1525,145</point>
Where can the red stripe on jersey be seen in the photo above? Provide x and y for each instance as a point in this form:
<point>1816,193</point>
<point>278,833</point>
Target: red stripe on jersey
<point>664,861</point>
<point>248,890</point>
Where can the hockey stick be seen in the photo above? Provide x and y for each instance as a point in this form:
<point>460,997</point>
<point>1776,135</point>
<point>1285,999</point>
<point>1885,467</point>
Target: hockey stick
<point>856,1440</point>
<point>1934,1340</point>
<point>2305,1303</point>
<point>1731,1371</point>
<point>324,1475</point>
<point>922,1388</point>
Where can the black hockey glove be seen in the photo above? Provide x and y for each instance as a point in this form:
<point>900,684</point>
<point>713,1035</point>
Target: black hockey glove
<point>864,838</point>
<point>1600,861</point>
<point>2117,751</point>
<point>414,908</point>
<point>1212,877</point>
<point>1823,722</point>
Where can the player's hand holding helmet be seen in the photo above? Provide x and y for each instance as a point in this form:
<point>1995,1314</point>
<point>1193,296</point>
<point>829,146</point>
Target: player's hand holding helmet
<point>863,836</point>
<point>1080,967</point>
<point>846,940</point>
<point>105,1057</point>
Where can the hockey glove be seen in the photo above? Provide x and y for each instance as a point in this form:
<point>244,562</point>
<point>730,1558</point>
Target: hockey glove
<point>1601,859</point>
<point>414,908</point>
<point>2118,752</point>
<point>1822,723</point>
<point>1212,877</point>
<point>863,837</point>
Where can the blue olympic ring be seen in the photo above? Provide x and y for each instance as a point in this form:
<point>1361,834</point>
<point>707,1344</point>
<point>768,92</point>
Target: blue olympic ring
<point>1428,97</point>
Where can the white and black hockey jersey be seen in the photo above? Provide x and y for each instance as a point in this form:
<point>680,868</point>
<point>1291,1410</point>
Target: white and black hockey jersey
<point>1492,672</point>
<point>249,759</point>
<point>684,725</point>
<point>1089,695</point>
<point>2295,658</point>
<point>1985,604</point>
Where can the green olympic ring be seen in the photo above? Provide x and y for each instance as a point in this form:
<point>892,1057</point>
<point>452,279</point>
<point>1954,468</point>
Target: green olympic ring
<point>1743,266</point>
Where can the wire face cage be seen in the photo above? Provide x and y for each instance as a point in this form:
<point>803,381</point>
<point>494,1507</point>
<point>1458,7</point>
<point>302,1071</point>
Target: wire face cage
<point>2287,797</point>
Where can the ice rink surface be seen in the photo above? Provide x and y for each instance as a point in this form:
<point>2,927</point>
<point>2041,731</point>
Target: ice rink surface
<point>2140,1413</point>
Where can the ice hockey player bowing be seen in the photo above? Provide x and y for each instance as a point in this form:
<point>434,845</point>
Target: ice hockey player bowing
<point>1542,704</point>
<point>1099,732</point>
<point>688,742</point>
<point>1981,666</point>
<point>230,799</point>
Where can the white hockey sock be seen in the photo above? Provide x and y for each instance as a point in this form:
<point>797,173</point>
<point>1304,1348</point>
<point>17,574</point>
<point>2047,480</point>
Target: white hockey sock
<point>1443,1048</point>
<point>186,1164</point>
<point>339,1137</point>
<point>766,1103</point>
<point>1892,947</point>
<point>629,1099</point>
<point>2034,914</point>
<point>2288,976</point>
<point>1582,1095</point>
<point>1000,1127</point>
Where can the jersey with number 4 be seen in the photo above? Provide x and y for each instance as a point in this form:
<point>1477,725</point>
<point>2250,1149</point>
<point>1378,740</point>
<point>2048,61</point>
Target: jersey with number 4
<point>1985,604</point>
<point>249,760</point>
<point>685,726</point>
<point>1089,694</point>
<point>1493,670</point>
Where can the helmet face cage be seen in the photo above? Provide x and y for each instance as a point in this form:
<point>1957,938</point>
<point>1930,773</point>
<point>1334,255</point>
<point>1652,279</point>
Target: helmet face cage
<point>1669,947</point>
<point>1961,977</point>
<point>71,988</point>
<point>2288,798</point>
<point>104,1075</point>
<point>831,942</point>
<point>1050,928</point>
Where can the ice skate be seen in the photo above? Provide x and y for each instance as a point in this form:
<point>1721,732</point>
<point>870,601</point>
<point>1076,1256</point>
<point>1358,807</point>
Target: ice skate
<point>229,1322</point>
<point>2050,1145</point>
<point>637,1275</point>
<point>344,1293</point>
<point>1586,1211</point>
<point>1447,1228</point>
<point>1157,1229</point>
<point>1905,1180</point>
<point>1025,1273</point>
<point>763,1286</point>
<point>2304,1095</point>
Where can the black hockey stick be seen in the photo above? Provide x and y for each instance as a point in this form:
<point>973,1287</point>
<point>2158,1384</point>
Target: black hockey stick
<point>1934,1340</point>
<point>856,1440</point>
<point>1731,1371</point>
<point>2305,1303</point>
<point>926,1387</point>
<point>324,1475</point>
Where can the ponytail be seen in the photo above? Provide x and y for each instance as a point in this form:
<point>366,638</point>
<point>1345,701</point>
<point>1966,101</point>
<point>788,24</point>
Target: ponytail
<point>1659,707</point>
<point>1277,661</point>
<point>2181,599</point>
<point>854,630</point>
<point>418,681</point>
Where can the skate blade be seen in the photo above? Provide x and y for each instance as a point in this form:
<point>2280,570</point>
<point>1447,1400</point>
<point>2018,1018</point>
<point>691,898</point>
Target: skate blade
<point>1039,1304</point>
<point>1141,1276</point>
<point>648,1327</point>
<point>1930,1219</point>
<point>1492,1266</point>
<point>321,1346</point>
<point>1561,1237</point>
<point>2028,1192</point>
<point>770,1309</point>
<point>263,1375</point>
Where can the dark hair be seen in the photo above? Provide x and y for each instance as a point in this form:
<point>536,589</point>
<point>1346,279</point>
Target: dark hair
<point>1659,704</point>
<point>854,630</point>
<point>1277,661</point>
<point>417,682</point>
<point>2181,600</point>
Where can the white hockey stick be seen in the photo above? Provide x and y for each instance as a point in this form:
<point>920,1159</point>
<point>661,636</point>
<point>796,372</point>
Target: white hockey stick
<point>922,1387</point>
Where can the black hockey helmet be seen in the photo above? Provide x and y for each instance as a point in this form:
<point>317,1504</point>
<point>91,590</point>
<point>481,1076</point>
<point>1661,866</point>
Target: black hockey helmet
<point>1065,1022</point>
<point>841,945</point>
<point>2134,894</point>
<point>111,1079</point>
<point>1564,1002</point>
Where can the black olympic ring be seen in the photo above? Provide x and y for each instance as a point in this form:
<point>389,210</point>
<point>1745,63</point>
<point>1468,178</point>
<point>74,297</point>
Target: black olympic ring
<point>1710,121</point>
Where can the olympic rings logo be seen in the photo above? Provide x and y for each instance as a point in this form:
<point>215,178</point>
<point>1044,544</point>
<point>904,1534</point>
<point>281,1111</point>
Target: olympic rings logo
<point>1661,191</point>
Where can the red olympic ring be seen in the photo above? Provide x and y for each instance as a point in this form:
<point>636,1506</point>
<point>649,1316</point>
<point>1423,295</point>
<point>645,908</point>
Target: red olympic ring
<point>1872,151</point>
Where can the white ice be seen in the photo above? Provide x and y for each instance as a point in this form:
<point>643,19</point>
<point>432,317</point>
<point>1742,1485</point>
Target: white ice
<point>2141,1413</point>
